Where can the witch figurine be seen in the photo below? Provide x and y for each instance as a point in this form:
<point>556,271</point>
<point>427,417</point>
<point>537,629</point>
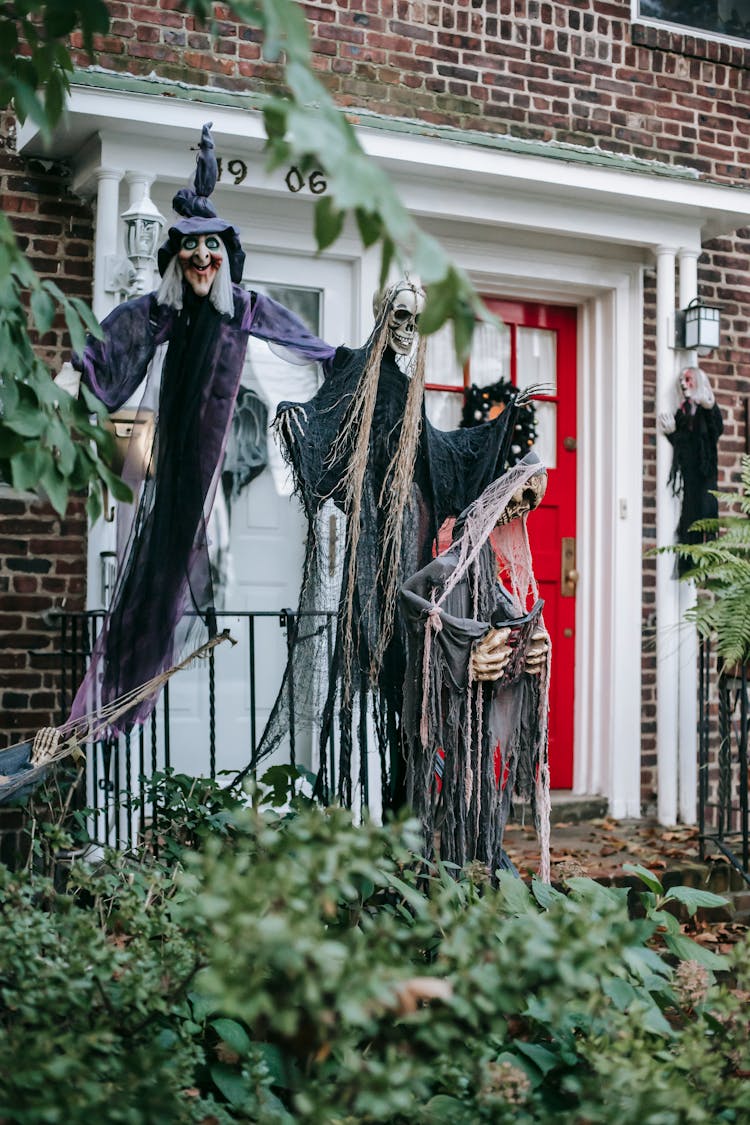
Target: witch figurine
<point>363,448</point>
<point>693,432</point>
<point>183,349</point>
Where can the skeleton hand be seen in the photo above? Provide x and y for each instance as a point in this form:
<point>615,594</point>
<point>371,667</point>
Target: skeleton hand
<point>666,423</point>
<point>490,657</point>
<point>536,655</point>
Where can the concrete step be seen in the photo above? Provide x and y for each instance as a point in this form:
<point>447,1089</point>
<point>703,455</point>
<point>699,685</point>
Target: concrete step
<point>567,808</point>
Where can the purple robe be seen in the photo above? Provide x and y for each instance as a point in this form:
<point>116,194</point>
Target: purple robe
<point>163,564</point>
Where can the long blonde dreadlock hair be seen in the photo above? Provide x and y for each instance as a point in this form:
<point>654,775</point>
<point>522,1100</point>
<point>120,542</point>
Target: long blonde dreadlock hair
<point>396,489</point>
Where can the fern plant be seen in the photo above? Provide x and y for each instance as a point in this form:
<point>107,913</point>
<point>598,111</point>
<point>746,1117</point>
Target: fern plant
<point>720,568</point>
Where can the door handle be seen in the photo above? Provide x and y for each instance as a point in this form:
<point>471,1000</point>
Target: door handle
<point>568,573</point>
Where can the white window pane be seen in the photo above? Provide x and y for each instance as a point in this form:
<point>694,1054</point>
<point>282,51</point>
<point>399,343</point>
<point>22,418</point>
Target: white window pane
<point>305,302</point>
<point>440,363</point>
<point>545,445</point>
<point>490,354</point>
<point>537,358</point>
<point>444,408</point>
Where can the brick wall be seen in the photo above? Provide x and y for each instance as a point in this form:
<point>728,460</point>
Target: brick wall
<point>578,72</point>
<point>42,558</point>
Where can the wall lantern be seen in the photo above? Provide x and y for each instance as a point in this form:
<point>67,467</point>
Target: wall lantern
<point>698,327</point>
<point>133,275</point>
<point>133,430</point>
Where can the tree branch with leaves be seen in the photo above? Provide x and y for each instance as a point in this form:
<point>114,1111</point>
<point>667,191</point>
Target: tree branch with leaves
<point>47,438</point>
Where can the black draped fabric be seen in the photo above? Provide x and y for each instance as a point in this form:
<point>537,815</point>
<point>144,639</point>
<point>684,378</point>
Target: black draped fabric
<point>171,516</point>
<point>451,470</point>
<point>188,363</point>
<point>695,469</point>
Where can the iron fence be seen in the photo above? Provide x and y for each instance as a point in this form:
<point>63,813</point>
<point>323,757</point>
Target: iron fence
<point>723,761</point>
<point>118,770</point>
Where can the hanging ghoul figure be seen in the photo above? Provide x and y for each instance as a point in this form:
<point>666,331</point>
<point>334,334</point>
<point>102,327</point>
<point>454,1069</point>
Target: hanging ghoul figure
<point>185,345</point>
<point>476,692</point>
<point>363,443</point>
<point>693,431</point>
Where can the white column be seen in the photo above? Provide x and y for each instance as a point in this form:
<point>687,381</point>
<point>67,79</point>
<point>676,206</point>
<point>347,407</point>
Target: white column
<point>688,653</point>
<point>106,236</point>
<point>139,183</point>
<point>667,592</point>
<point>101,536</point>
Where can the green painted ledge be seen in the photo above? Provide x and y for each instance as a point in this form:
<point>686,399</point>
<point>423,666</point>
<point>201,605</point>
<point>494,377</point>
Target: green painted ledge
<point>97,78</point>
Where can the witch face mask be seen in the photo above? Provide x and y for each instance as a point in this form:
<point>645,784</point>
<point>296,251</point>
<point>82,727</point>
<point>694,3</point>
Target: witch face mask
<point>200,257</point>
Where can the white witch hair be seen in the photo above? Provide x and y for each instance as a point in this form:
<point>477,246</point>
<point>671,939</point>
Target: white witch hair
<point>220,295</point>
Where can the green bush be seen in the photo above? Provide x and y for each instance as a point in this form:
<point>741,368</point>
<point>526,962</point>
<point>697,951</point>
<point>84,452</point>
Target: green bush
<point>329,941</point>
<point>94,1021</point>
<point>295,968</point>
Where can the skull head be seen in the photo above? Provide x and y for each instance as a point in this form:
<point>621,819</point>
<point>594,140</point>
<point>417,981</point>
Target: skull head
<point>402,303</point>
<point>527,496</point>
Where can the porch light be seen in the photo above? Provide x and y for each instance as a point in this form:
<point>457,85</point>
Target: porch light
<point>143,226</point>
<point>133,275</point>
<point>698,327</point>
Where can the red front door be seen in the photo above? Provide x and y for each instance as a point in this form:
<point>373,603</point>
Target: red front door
<point>543,350</point>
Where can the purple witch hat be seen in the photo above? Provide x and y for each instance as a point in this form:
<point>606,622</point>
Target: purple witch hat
<point>199,214</point>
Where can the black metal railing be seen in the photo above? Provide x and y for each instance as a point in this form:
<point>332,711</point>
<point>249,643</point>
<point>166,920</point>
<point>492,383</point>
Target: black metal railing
<point>723,761</point>
<point>118,770</point>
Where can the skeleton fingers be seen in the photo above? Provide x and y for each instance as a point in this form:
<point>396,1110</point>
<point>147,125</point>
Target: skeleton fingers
<point>284,421</point>
<point>491,655</point>
<point>536,654</point>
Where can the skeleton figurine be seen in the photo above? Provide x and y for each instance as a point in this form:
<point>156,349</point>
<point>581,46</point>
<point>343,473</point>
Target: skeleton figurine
<point>693,431</point>
<point>364,444</point>
<point>475,713</point>
<point>491,655</point>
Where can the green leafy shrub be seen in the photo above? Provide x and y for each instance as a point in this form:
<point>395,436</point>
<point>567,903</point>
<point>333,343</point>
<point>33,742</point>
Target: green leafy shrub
<point>186,811</point>
<point>301,969</point>
<point>94,1020</point>
<point>393,993</point>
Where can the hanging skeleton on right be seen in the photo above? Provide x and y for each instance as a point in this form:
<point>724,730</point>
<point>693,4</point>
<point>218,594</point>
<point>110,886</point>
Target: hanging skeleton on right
<point>476,693</point>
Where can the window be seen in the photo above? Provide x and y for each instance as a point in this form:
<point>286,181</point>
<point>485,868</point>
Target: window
<point>446,380</point>
<point>724,18</point>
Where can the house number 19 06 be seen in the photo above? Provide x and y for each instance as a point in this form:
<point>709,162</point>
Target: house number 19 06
<point>237,169</point>
<point>295,181</point>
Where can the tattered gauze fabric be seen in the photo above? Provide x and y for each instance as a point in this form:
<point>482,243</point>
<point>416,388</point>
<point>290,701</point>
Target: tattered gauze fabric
<point>472,747</point>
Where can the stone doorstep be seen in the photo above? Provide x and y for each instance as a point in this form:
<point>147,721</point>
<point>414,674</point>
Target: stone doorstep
<point>567,808</point>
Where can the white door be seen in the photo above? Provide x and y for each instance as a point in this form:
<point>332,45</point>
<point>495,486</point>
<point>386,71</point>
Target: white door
<point>267,534</point>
